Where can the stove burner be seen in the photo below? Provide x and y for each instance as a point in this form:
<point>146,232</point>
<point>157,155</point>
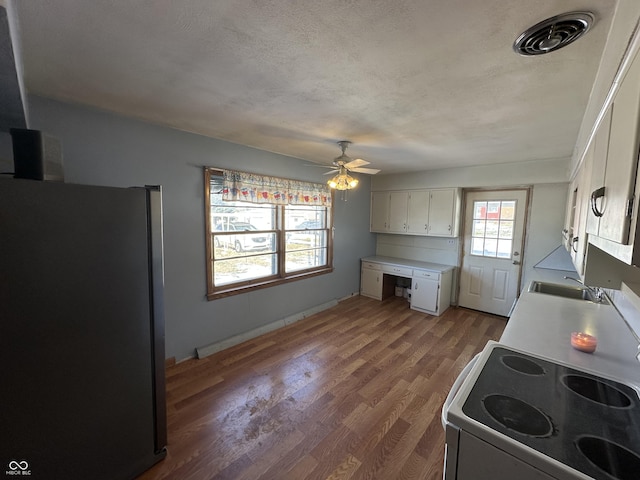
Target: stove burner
<point>518,416</point>
<point>596,391</point>
<point>522,365</point>
<point>617,461</point>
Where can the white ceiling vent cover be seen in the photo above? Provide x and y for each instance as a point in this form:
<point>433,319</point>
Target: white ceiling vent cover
<point>553,33</point>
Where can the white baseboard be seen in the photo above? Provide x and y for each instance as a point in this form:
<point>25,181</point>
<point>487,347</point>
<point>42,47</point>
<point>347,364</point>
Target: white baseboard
<point>207,350</point>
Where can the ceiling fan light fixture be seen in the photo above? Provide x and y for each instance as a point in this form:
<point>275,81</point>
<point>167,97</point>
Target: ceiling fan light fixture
<point>344,165</point>
<point>342,181</point>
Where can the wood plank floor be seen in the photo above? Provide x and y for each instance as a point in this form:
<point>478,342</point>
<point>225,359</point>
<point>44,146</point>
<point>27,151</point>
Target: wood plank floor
<point>352,392</point>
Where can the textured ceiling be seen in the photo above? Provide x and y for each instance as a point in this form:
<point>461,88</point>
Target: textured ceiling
<point>415,84</point>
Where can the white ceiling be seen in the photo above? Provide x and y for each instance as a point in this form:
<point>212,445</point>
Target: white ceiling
<point>414,84</point>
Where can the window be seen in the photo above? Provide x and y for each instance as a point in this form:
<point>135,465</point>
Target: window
<point>255,245</point>
<point>492,231</point>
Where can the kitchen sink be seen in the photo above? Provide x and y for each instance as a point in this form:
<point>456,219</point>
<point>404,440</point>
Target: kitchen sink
<point>566,291</point>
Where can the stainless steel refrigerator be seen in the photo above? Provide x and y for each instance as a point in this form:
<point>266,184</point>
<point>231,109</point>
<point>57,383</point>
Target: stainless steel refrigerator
<point>82,388</point>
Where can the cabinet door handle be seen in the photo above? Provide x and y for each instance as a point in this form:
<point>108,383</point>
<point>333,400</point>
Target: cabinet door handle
<point>595,195</point>
<point>574,244</point>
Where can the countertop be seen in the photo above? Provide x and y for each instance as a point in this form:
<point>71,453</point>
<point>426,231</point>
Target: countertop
<point>542,324</point>
<point>403,262</point>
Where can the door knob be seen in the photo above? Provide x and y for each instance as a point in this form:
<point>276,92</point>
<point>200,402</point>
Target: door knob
<point>515,262</point>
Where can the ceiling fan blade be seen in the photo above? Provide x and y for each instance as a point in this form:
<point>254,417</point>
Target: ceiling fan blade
<point>331,172</point>
<point>370,171</point>
<point>358,162</point>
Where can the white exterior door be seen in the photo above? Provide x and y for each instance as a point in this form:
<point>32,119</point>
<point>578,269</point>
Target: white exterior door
<point>493,239</point>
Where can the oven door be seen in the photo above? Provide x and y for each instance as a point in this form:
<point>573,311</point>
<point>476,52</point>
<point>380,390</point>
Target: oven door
<point>478,460</point>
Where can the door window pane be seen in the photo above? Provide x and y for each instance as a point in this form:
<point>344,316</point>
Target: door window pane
<point>477,246</point>
<point>479,228</point>
<point>490,247</point>
<point>493,227</point>
<point>506,229</point>
<point>508,210</point>
<point>480,210</point>
<point>504,248</point>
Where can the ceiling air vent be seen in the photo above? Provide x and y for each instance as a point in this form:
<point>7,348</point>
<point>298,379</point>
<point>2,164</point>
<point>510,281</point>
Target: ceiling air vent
<point>553,33</point>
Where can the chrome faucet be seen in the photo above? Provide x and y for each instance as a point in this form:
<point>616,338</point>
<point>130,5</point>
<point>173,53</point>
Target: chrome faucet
<point>596,292</point>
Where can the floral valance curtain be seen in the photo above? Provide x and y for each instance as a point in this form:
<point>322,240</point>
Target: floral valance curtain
<point>249,187</point>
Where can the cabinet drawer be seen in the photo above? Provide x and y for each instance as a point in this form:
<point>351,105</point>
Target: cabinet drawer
<point>426,274</point>
<point>402,271</point>
<point>371,266</point>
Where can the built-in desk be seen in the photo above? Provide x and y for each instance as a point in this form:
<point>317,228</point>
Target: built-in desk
<point>430,282</point>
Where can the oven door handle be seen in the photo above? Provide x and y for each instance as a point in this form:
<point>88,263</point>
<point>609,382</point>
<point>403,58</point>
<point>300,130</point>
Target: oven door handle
<point>455,387</point>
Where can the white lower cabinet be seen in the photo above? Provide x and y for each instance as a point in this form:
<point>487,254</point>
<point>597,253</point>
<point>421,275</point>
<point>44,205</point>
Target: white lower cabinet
<point>431,291</point>
<point>424,294</point>
<point>371,281</point>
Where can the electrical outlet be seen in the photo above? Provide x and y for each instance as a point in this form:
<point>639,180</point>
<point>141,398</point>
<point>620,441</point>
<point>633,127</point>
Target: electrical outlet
<point>451,241</point>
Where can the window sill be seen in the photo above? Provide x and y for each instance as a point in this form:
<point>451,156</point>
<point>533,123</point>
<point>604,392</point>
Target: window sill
<point>236,290</point>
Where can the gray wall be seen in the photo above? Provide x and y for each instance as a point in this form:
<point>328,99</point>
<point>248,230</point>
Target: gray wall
<point>101,148</point>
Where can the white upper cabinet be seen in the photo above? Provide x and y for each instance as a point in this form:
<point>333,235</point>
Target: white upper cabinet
<point>596,161</point>
<point>416,212</point>
<point>607,182</point>
<point>379,211</point>
<point>443,210</point>
<point>615,163</point>
<point>398,202</point>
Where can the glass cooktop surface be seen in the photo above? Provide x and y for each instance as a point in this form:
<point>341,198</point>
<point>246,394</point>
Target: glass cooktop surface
<point>587,422</point>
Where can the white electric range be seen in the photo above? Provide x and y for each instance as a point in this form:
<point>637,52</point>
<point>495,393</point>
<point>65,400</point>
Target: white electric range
<point>534,408</point>
<point>520,416</point>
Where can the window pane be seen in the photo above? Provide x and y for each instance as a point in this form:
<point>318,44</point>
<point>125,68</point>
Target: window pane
<point>490,247</point>
<point>492,229</point>
<point>236,270</point>
<point>302,240</point>
<point>479,210</point>
<point>478,228</point>
<point>504,248</point>
<point>508,211</point>
<point>506,229</point>
<point>306,237</point>
<point>304,217</point>
<point>493,210</point>
<point>244,243</point>
<point>231,217</point>
<point>477,246</point>
<point>303,259</point>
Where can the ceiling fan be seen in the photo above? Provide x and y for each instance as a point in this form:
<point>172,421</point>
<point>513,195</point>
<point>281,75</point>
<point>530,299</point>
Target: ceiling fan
<point>343,165</point>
